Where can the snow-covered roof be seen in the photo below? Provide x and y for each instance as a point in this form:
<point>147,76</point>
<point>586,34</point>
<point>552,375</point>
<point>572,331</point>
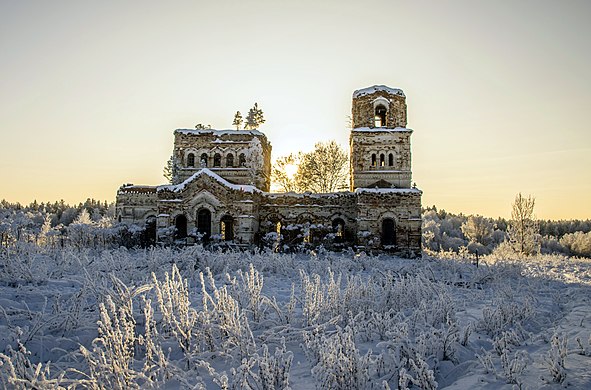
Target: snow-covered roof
<point>204,171</point>
<point>130,188</point>
<point>384,129</point>
<point>217,132</point>
<point>389,190</point>
<point>376,88</point>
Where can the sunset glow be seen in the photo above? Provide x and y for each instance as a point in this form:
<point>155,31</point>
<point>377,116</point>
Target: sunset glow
<point>497,92</point>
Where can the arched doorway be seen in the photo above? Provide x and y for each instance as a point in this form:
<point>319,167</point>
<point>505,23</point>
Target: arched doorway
<point>388,232</point>
<point>180,222</point>
<point>338,228</point>
<point>227,228</point>
<point>204,223</point>
<point>150,231</point>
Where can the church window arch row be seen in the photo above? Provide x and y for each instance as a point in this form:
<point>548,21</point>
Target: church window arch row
<point>217,160</point>
<point>230,160</point>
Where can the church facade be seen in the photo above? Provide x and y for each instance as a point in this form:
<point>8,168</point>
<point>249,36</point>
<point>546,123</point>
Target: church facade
<point>221,185</point>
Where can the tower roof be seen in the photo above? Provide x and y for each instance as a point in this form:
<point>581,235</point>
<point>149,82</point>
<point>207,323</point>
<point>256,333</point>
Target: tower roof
<point>376,88</point>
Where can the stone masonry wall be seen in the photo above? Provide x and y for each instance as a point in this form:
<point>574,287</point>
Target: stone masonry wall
<point>363,110</point>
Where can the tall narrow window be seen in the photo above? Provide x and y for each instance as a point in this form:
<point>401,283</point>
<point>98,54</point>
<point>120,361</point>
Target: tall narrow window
<point>373,160</point>
<point>380,116</point>
<point>227,228</point>
<point>217,160</point>
<point>204,223</point>
<point>388,232</point>
<point>203,161</point>
<point>242,160</point>
<point>180,223</point>
<point>230,160</point>
<point>191,160</point>
<point>391,160</point>
<point>382,160</point>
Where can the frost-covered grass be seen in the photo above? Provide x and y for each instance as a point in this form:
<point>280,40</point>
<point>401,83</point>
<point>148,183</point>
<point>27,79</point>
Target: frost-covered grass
<point>191,318</point>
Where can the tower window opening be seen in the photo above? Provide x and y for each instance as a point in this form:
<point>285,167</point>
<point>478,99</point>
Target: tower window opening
<point>204,160</point>
<point>217,160</point>
<point>382,160</point>
<point>380,116</point>
<point>191,160</point>
<point>390,160</point>
<point>242,160</point>
<point>373,160</point>
<point>230,160</point>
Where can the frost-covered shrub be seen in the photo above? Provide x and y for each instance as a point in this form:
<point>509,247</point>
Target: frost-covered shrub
<point>556,357</point>
<point>340,365</point>
<point>274,369</point>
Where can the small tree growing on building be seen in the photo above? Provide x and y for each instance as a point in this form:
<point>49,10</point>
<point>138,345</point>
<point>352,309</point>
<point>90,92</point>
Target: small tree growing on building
<point>523,228</point>
<point>255,118</point>
<point>237,120</point>
<point>170,170</point>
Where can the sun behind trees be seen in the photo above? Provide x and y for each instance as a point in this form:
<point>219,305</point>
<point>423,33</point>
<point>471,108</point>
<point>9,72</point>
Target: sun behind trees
<point>324,169</point>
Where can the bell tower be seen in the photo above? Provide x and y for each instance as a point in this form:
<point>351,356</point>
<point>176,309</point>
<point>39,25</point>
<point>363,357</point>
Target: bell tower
<point>379,140</point>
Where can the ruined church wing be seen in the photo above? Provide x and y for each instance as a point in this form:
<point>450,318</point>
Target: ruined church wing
<point>240,156</point>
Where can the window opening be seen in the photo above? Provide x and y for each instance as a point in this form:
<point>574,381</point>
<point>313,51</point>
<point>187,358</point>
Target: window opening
<point>388,232</point>
<point>373,160</point>
<point>380,116</point>
<point>180,223</point>
<point>391,159</point>
<point>204,160</point>
<point>382,160</point>
<point>230,160</point>
<point>191,160</point>
<point>217,160</point>
<point>242,160</point>
<point>204,223</point>
<point>227,228</point>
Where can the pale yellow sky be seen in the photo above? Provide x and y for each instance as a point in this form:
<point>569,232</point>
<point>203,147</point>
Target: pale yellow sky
<point>497,92</point>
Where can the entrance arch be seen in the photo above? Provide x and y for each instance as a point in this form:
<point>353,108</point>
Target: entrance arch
<point>388,232</point>
<point>150,231</point>
<point>204,223</point>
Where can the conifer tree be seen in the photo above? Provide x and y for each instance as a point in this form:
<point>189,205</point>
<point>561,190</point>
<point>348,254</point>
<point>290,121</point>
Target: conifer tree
<point>255,118</point>
<point>237,120</point>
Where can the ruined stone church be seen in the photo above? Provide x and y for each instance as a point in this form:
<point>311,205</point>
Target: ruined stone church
<point>221,188</point>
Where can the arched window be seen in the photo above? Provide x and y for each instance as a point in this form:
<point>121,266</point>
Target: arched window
<point>191,160</point>
<point>230,160</point>
<point>380,116</point>
<point>204,223</point>
<point>388,232</point>
<point>217,160</point>
<point>382,160</point>
<point>180,222</point>
<point>338,228</point>
<point>242,160</point>
<point>227,228</point>
<point>390,160</point>
<point>203,160</point>
<point>373,160</point>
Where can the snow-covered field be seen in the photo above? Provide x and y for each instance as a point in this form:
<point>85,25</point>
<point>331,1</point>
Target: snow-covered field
<point>189,318</point>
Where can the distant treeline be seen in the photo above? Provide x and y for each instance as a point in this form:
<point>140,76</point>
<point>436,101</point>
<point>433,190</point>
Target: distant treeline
<point>444,231</point>
<point>61,213</point>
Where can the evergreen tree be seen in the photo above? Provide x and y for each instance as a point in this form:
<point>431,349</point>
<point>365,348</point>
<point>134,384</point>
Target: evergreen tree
<point>255,118</point>
<point>237,120</point>
<point>170,170</point>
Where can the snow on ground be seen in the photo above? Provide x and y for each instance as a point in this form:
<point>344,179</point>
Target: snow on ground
<point>190,318</point>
